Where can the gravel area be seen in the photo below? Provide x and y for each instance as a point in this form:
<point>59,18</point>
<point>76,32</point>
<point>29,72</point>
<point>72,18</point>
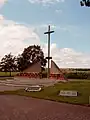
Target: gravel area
<point>10,87</point>
<point>26,81</point>
<point>21,83</point>
<point>26,108</point>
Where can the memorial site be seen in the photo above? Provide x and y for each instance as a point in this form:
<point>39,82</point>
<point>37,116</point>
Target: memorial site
<point>44,60</point>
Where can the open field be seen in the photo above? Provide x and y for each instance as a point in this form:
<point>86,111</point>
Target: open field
<point>51,92</point>
<point>7,74</point>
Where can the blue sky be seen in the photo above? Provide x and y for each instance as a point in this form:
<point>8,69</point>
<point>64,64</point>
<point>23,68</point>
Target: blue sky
<point>68,19</point>
<point>70,16</point>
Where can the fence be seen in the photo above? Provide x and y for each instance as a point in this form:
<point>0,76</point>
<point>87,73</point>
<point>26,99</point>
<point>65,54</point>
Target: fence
<point>39,75</point>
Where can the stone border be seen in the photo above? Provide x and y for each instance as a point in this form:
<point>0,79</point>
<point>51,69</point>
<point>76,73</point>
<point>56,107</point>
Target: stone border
<point>33,90</point>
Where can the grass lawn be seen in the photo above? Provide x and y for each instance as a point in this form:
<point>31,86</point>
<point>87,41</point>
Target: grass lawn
<point>51,93</point>
<point>7,74</point>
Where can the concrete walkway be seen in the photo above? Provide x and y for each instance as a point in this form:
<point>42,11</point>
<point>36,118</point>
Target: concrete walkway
<point>25,82</point>
<point>22,83</point>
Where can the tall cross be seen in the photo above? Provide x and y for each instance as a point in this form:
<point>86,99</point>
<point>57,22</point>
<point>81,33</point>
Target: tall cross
<point>48,33</point>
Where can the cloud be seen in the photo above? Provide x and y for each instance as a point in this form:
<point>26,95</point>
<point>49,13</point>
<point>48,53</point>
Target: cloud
<point>2,2</point>
<point>65,28</point>
<point>58,11</point>
<point>45,26</point>
<point>68,57</point>
<point>14,37</point>
<point>1,17</point>
<point>45,1</point>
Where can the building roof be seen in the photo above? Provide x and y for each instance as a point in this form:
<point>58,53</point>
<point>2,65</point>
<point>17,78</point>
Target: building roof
<point>34,67</point>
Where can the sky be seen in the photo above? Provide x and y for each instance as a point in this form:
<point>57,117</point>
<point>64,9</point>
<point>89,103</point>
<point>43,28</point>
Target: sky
<point>23,23</point>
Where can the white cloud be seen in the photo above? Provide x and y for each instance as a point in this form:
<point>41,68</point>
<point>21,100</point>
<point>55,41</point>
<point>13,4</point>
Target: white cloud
<point>75,30</point>
<point>68,58</point>
<point>58,11</point>
<point>1,17</point>
<point>45,26</point>
<point>2,2</point>
<point>45,1</point>
<point>14,37</point>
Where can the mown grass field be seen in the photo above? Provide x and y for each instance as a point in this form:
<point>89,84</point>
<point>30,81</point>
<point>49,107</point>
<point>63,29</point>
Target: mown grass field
<point>3,74</point>
<point>6,75</point>
<point>51,93</point>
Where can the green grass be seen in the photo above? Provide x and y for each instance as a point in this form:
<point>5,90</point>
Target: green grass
<point>4,74</point>
<point>51,93</point>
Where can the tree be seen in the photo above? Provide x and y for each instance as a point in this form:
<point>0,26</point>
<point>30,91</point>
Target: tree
<point>8,63</point>
<point>85,2</point>
<point>30,55</point>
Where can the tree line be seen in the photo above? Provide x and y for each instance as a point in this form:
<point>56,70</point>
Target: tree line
<point>78,75</point>
<point>30,55</point>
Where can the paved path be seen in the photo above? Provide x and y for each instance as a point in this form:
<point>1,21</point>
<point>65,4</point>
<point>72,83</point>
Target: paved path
<point>26,108</point>
<point>10,87</point>
<point>27,82</point>
<point>22,83</point>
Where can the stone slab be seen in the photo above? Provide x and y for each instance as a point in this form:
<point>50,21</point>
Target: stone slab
<point>69,93</point>
<point>33,88</point>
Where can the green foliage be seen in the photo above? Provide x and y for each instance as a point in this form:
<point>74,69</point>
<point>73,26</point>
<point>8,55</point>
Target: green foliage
<point>30,55</point>
<point>85,2</point>
<point>77,75</point>
<point>7,74</point>
<point>8,63</point>
<point>80,69</point>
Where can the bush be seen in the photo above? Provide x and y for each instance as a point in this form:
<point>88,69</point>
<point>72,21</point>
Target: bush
<point>77,75</point>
